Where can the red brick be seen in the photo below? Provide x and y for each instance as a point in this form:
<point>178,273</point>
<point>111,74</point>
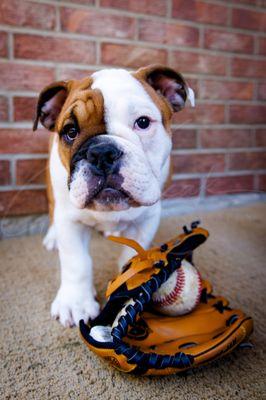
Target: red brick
<point>249,68</point>
<point>173,34</point>
<point>156,7</point>
<point>225,138</point>
<point>227,41</point>
<point>3,44</point>
<point>182,188</point>
<point>247,114</point>
<point>201,114</point>
<point>30,172</point>
<point>262,183</point>
<point>199,63</point>
<point>17,140</point>
<point>184,138</point>
<point>97,23</point>
<point>248,19</point>
<point>224,90</point>
<point>262,46</point>
<point>3,109</point>
<point>5,177</point>
<point>24,77</point>
<point>198,163</point>
<point>27,14</point>
<point>229,184</point>
<point>131,56</point>
<point>66,73</point>
<point>23,202</point>
<point>53,49</point>
<point>260,137</point>
<point>196,10</point>
<point>24,108</point>
<point>247,160</point>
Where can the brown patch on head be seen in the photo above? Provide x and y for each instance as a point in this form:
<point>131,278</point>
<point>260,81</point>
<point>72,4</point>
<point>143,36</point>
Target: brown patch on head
<point>166,87</point>
<point>64,103</point>
<point>86,106</point>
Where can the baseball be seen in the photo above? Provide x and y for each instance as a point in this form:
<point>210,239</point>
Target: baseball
<point>180,293</point>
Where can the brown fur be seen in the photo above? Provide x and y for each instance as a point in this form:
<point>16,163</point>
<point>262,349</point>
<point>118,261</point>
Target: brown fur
<point>49,187</point>
<point>88,107</point>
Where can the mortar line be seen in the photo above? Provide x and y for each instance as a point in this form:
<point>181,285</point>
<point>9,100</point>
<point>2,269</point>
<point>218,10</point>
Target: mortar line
<point>57,18</point>
<point>22,156</point>
<point>8,188</point>
<point>13,171</point>
<point>169,9</point>
<point>10,46</point>
<point>98,53</point>
<point>202,192</point>
<point>223,174</point>
<point>10,108</point>
<point>256,182</point>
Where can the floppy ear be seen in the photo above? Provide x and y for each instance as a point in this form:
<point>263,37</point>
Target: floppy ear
<point>168,83</point>
<point>50,103</point>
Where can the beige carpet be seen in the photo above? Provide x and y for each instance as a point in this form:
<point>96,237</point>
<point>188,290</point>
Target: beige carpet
<point>42,360</point>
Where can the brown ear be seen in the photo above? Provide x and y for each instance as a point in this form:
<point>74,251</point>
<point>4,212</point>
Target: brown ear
<point>50,103</point>
<point>168,83</point>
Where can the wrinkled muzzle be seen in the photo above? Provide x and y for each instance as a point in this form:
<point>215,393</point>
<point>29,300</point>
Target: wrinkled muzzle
<point>108,174</point>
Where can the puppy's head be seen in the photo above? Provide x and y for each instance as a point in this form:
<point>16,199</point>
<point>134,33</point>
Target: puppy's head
<point>114,133</point>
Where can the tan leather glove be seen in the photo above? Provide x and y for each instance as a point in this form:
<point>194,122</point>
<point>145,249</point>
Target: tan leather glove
<point>135,338</point>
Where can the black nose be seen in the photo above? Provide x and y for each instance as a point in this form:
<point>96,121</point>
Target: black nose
<point>104,156</point>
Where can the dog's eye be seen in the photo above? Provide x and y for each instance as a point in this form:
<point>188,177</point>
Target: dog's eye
<point>69,134</point>
<point>142,123</point>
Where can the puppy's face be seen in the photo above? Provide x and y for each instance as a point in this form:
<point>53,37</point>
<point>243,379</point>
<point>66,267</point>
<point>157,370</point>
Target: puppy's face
<point>114,134</point>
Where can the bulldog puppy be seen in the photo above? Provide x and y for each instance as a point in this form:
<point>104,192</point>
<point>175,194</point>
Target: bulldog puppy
<point>109,161</point>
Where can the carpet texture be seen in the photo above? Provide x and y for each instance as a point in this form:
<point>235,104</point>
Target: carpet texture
<point>42,360</point>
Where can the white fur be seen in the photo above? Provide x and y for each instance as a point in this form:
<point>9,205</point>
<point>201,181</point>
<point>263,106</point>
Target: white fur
<point>49,241</point>
<point>146,153</point>
<point>79,187</point>
<point>145,169</point>
<point>191,97</point>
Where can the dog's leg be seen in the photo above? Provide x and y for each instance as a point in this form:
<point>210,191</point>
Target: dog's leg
<point>50,241</point>
<point>141,230</point>
<point>75,298</point>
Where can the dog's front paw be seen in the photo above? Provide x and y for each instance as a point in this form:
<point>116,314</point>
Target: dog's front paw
<point>50,241</point>
<point>72,304</point>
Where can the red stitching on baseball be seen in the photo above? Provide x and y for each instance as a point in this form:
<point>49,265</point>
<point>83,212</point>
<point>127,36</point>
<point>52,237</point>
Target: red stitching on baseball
<point>171,297</point>
<point>199,288</point>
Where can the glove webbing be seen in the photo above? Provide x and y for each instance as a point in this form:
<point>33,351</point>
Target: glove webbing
<point>134,355</point>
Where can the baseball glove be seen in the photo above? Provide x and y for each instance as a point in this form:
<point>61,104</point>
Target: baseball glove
<point>135,338</point>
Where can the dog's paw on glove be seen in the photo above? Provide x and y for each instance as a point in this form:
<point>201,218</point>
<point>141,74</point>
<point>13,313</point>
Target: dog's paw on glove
<point>150,326</point>
<point>73,303</point>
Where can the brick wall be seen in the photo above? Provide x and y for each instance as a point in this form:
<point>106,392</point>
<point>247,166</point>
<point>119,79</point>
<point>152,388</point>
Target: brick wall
<point>220,46</point>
